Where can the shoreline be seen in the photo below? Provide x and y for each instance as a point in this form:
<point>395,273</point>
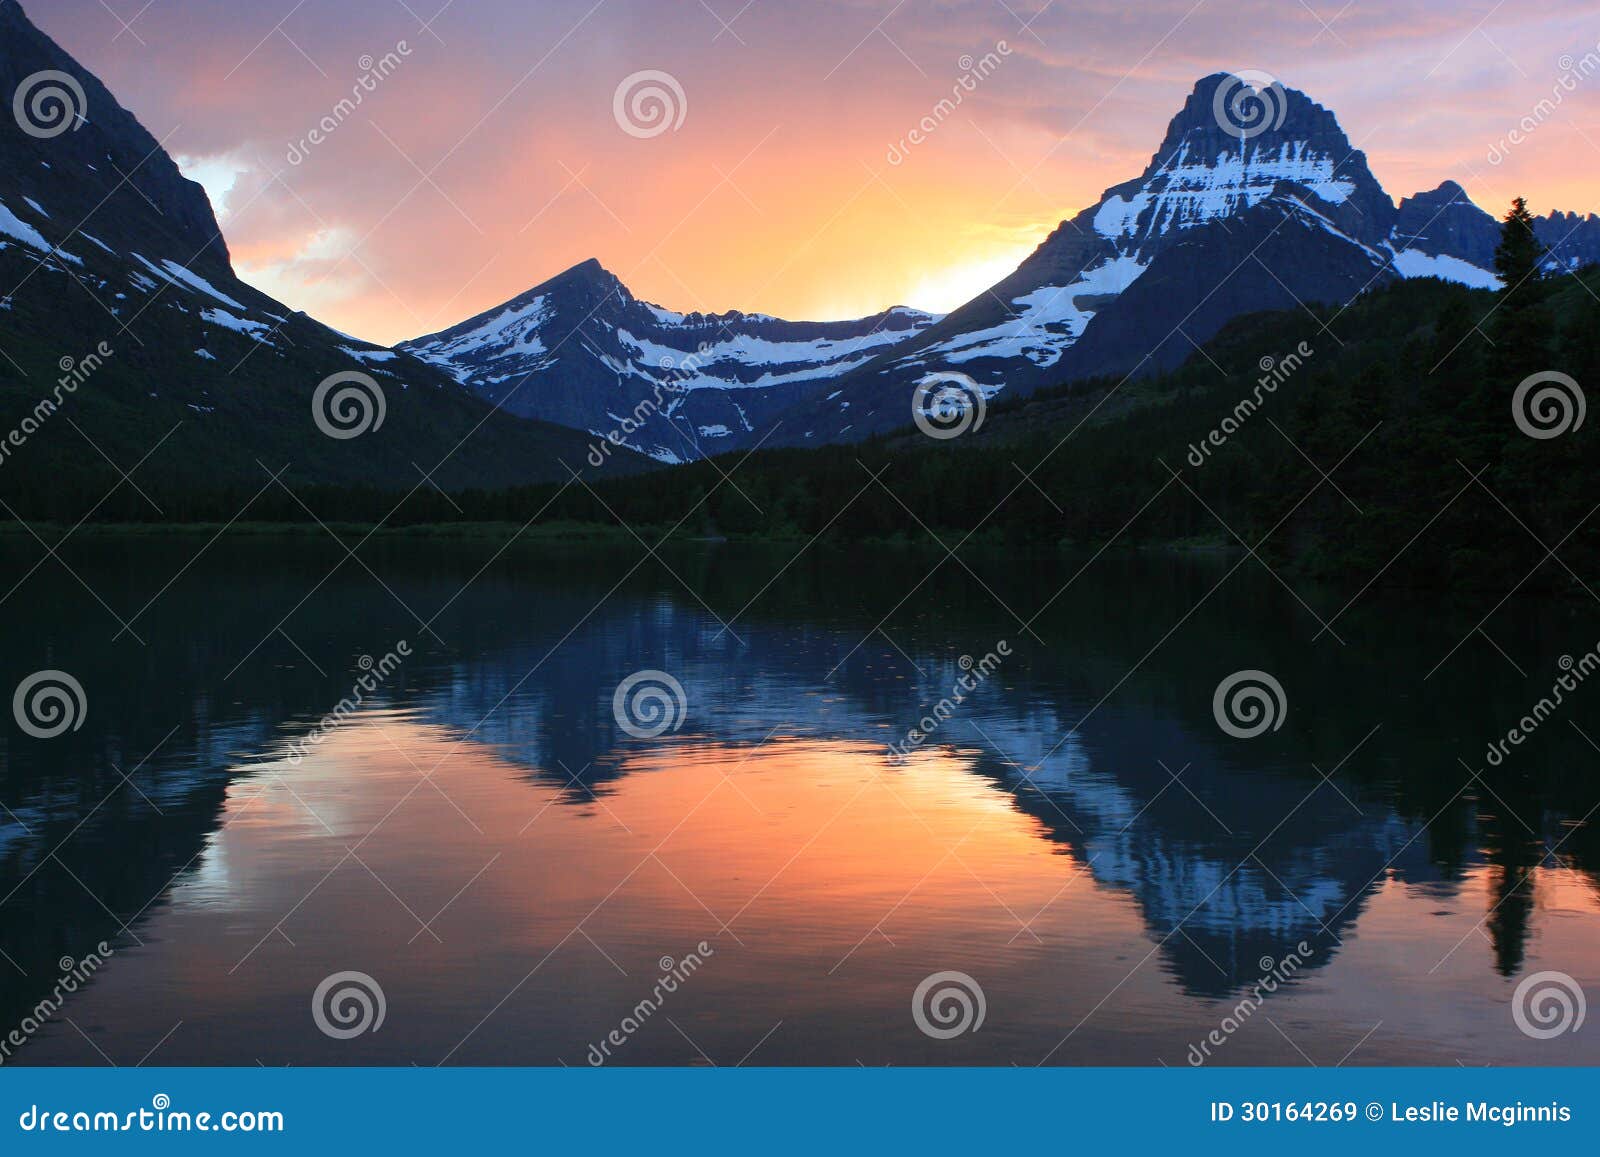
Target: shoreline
<point>563,533</point>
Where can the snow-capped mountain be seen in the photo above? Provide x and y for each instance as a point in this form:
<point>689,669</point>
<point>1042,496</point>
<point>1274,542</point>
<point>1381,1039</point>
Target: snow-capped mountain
<point>581,350</point>
<point>1443,234</point>
<point>1255,200</point>
<point>115,272</point>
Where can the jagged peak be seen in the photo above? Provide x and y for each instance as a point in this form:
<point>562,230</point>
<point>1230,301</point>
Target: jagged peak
<point>1233,110</point>
<point>586,272</point>
<point>1446,193</point>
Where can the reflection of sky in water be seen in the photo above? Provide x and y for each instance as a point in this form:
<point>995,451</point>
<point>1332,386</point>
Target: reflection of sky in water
<point>1184,857</point>
<point>827,881</point>
<point>1112,877</point>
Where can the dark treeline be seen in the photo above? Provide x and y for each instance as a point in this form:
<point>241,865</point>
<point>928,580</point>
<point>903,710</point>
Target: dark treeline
<point>1406,398</point>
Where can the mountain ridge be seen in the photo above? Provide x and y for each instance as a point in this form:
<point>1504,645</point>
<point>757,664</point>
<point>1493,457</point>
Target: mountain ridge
<point>581,350</point>
<point>1255,199</point>
<point>127,341</point>
<point>142,174</point>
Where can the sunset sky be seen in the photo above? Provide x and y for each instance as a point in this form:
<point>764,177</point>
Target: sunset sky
<point>490,158</point>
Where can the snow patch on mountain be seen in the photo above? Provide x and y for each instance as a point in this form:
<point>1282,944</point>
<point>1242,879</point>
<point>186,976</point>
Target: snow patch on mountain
<point>1325,223</point>
<point>1188,190</point>
<point>1415,263</point>
<point>716,365</point>
<point>175,274</point>
<point>1049,319</point>
<point>513,331</point>
<point>13,226</point>
<point>253,329</point>
<point>581,350</point>
<point>369,356</point>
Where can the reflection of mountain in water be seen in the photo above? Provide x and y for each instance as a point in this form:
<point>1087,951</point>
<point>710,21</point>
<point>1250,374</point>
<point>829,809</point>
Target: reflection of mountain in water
<point>1231,863</point>
<point>103,819</point>
<point>1259,862</point>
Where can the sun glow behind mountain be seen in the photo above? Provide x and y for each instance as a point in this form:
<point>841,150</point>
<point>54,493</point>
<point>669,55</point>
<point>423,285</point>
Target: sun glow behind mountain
<point>944,290</point>
<point>490,158</point>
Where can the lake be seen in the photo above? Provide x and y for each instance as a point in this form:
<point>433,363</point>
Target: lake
<point>487,857</point>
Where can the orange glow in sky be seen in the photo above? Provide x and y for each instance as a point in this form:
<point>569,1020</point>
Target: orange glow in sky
<point>489,158</point>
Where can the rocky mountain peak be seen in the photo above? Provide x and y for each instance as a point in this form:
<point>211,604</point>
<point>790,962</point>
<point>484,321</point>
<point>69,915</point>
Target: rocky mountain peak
<point>1231,146</point>
<point>77,152</point>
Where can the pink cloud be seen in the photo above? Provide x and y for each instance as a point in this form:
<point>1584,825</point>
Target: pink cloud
<point>776,193</point>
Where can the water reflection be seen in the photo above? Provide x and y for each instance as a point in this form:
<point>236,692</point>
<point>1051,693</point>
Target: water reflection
<point>485,840</point>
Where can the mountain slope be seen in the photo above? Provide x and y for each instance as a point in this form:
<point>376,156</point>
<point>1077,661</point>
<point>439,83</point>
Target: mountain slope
<point>1441,233</point>
<point>1401,400</point>
<point>124,332</point>
<point>581,350</point>
<point>1254,201</point>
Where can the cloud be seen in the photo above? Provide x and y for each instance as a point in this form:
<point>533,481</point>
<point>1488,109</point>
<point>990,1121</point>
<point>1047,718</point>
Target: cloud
<point>489,159</point>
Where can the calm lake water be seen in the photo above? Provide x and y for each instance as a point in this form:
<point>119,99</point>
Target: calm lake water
<point>1111,870</point>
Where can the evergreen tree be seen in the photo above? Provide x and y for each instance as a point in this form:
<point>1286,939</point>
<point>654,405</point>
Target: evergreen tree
<point>1519,253</point>
<point>1523,329</point>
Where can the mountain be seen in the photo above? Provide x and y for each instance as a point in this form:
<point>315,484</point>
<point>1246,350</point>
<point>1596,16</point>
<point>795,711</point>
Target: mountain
<point>1402,388</point>
<point>1255,200</point>
<point>581,350</point>
<point>1204,190</point>
<point>126,337</point>
<point>1443,234</point>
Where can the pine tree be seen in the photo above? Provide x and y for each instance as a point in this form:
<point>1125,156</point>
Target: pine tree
<point>1519,253</point>
<point>1523,329</point>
